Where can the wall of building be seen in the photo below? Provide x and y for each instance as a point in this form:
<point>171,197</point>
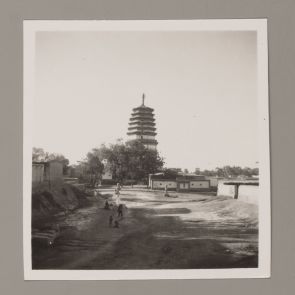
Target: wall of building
<point>107,175</point>
<point>48,172</point>
<point>193,185</point>
<point>225,190</point>
<point>37,173</point>
<point>132,137</point>
<point>151,147</point>
<point>213,181</point>
<point>246,193</point>
<point>147,137</point>
<point>136,136</point>
<point>199,184</point>
<point>54,171</point>
<point>160,184</point>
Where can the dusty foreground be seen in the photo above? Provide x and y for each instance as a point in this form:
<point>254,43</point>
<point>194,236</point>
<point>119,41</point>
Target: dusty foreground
<point>188,231</point>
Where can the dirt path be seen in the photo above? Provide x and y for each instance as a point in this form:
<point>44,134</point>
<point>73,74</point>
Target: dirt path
<point>190,231</point>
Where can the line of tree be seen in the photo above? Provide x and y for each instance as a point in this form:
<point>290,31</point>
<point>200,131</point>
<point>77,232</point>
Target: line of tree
<point>130,161</point>
<point>229,171</point>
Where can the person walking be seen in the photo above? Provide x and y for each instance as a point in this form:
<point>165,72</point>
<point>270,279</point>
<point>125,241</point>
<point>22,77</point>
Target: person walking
<point>120,210</point>
<point>166,191</point>
<point>117,196</point>
<point>117,189</point>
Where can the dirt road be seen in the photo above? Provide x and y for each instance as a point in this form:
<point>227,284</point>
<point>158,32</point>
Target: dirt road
<point>184,231</point>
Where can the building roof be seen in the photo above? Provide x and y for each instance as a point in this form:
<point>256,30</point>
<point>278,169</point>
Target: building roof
<point>46,162</point>
<point>162,176</point>
<point>141,123</point>
<point>134,128</point>
<point>240,182</point>
<point>191,177</point>
<point>142,118</point>
<point>142,132</point>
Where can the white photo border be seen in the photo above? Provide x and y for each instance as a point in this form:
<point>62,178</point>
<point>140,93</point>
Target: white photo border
<point>30,27</point>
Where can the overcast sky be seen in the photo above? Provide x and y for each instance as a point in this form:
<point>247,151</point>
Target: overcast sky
<point>202,86</point>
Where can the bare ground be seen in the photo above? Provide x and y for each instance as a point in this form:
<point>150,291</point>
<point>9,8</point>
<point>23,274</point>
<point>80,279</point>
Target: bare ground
<point>188,231</point>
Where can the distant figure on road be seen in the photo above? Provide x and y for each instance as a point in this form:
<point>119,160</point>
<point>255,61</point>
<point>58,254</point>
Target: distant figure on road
<point>118,188</point>
<point>120,210</point>
<point>106,205</point>
<point>166,191</point>
<point>117,193</point>
<point>117,196</point>
<point>111,218</point>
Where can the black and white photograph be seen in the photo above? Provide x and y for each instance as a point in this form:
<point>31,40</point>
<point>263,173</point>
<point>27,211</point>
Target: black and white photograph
<point>146,150</point>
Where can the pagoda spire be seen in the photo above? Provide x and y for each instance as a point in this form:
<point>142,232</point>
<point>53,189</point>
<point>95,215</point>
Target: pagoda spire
<point>143,97</point>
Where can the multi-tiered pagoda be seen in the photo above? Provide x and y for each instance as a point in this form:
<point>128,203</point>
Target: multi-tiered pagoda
<point>142,126</point>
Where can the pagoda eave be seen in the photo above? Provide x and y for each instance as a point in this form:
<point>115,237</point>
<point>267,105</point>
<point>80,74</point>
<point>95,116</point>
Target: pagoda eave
<point>140,113</point>
<point>142,123</point>
<point>142,133</point>
<point>141,119</point>
<point>143,108</point>
<point>145,141</point>
<point>140,128</point>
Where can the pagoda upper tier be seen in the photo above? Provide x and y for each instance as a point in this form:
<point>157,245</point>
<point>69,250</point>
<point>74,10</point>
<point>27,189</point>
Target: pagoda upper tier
<point>142,126</point>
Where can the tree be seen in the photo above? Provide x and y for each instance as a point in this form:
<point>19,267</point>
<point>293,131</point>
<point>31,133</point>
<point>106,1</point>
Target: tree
<point>231,171</point>
<point>170,173</point>
<point>142,161</point>
<point>131,160</point>
<point>197,171</point>
<point>94,167</point>
<point>39,155</point>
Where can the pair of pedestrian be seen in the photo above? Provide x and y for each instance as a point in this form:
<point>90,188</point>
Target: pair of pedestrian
<point>120,215</point>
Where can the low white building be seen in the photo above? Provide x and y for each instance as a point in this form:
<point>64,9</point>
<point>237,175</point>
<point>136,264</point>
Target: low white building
<point>162,183</point>
<point>107,174</point>
<point>180,183</point>
<point>214,180</point>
